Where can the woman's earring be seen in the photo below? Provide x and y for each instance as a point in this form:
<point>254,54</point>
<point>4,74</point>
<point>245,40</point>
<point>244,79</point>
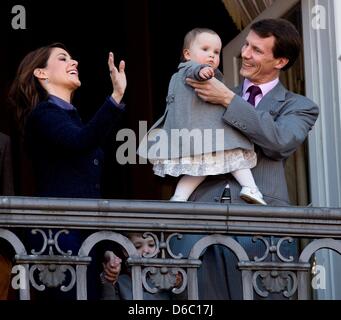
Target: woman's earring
<point>46,81</point>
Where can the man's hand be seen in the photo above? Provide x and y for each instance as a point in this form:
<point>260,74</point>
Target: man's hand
<point>213,91</point>
<point>111,266</point>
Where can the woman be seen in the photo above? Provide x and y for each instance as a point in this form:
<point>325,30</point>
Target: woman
<point>66,155</point>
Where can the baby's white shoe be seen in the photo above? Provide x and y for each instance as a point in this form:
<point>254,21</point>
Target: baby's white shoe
<point>252,196</point>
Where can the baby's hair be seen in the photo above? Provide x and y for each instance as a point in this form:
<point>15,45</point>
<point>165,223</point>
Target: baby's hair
<point>190,37</point>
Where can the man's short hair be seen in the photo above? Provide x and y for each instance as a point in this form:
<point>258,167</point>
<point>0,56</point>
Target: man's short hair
<point>287,39</point>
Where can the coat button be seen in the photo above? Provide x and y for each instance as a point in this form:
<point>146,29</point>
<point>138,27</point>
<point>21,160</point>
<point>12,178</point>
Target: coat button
<point>170,98</point>
<point>96,162</point>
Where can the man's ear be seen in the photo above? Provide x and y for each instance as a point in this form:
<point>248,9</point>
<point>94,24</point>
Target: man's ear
<point>281,63</point>
<point>39,73</point>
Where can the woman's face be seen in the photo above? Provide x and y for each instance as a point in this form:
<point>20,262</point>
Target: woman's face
<point>61,70</point>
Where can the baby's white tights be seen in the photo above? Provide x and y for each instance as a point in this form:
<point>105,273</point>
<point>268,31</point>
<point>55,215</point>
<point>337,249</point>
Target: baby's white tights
<point>185,187</point>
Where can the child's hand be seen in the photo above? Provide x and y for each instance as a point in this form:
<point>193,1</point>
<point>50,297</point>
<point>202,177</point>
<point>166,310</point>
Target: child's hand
<point>206,73</point>
<point>111,266</point>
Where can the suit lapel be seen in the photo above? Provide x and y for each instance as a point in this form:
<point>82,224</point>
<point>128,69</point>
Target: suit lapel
<point>274,99</point>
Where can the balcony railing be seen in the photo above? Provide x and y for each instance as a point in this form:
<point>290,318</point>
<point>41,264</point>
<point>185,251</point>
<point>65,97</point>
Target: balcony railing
<point>217,223</point>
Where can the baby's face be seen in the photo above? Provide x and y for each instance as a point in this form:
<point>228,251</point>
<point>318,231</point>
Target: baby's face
<point>205,49</point>
<point>143,246</point>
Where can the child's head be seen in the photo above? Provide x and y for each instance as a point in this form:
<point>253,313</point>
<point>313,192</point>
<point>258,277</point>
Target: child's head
<point>142,245</point>
<point>202,46</point>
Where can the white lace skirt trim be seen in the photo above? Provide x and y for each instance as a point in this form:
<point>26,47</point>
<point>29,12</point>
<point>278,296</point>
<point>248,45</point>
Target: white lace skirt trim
<point>206,164</point>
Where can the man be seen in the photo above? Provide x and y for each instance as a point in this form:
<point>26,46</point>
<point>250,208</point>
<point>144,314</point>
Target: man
<point>277,121</point>
<point>281,120</point>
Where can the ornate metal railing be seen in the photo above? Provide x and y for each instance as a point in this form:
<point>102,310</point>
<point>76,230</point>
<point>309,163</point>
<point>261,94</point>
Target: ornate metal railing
<point>273,272</point>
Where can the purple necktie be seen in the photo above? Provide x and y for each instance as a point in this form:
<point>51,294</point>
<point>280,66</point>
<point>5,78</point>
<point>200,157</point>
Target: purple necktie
<point>254,91</point>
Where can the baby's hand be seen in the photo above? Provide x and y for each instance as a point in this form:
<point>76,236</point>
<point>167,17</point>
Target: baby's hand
<point>206,73</point>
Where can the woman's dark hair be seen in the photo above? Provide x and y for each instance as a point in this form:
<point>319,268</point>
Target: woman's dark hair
<point>26,91</point>
<point>287,39</point>
<point>190,37</point>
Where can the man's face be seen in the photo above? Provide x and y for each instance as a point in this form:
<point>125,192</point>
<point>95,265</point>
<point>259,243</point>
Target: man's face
<point>258,63</point>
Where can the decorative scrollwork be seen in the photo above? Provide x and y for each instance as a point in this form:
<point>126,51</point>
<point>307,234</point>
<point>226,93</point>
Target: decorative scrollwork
<point>157,245</point>
<point>56,236</point>
<point>51,242</point>
<point>152,271</point>
<point>180,271</point>
<point>52,276</point>
<point>267,248</point>
<point>170,252</point>
<point>162,245</point>
<point>164,278</point>
<point>274,281</point>
<point>35,231</point>
<point>72,271</point>
<point>273,249</point>
<point>279,243</point>
<point>33,281</point>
